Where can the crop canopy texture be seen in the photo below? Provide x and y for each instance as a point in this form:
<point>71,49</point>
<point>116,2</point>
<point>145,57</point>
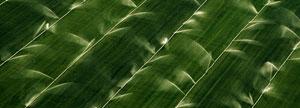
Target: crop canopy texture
<point>149,54</point>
